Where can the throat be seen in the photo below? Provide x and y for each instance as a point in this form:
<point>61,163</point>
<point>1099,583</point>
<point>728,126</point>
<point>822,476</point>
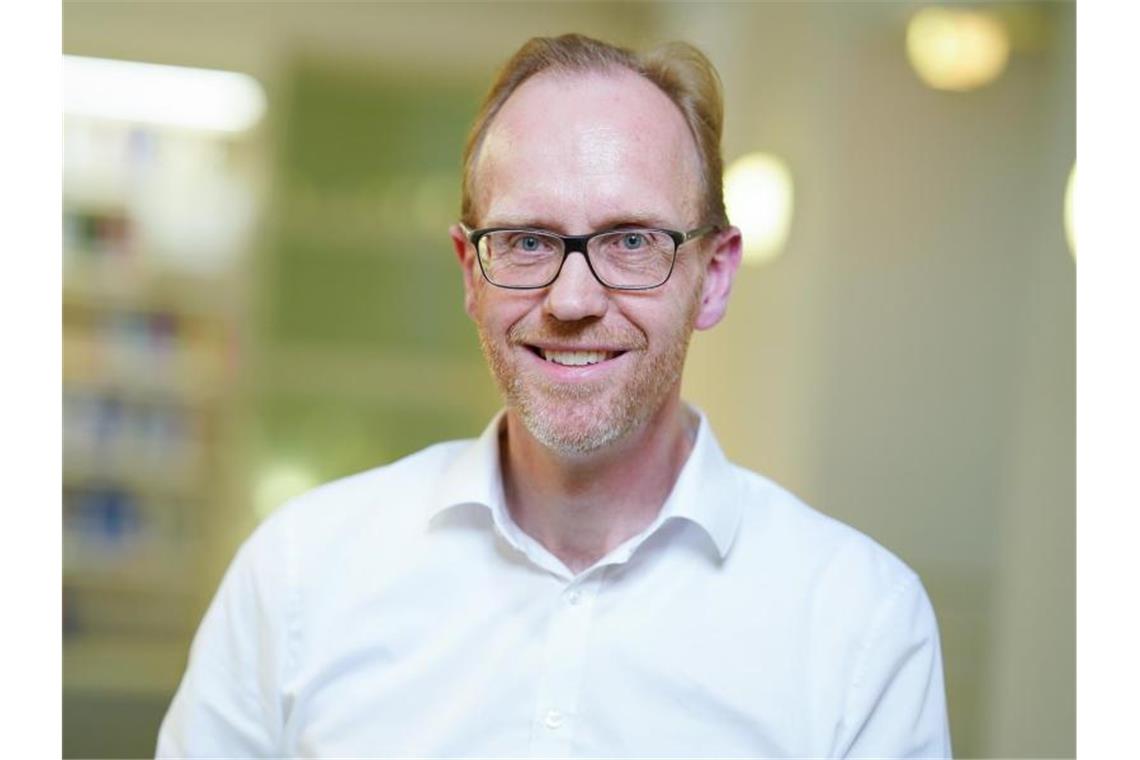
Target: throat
<point>580,509</point>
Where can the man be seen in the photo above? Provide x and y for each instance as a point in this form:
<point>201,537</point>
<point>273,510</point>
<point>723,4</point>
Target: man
<point>591,577</point>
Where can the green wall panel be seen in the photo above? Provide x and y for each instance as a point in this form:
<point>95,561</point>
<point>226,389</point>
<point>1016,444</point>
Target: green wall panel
<point>369,173</point>
<point>335,437</point>
<point>360,279</point>
<point>323,297</point>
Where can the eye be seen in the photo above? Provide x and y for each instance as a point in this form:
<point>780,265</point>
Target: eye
<point>525,242</point>
<point>632,241</point>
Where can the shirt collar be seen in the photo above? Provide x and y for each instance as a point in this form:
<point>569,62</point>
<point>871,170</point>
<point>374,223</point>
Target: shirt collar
<point>706,491</point>
<point>704,494</point>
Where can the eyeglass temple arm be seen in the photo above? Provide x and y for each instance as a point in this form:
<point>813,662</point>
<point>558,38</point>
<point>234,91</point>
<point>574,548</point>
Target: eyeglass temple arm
<point>686,237</point>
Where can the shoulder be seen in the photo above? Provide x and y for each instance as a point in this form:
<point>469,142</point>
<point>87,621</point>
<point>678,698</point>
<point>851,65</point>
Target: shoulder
<point>832,558</point>
<point>410,477</point>
<point>385,501</point>
<point>834,587</point>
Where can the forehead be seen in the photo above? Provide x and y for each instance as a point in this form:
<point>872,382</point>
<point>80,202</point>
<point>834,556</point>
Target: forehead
<point>584,149</point>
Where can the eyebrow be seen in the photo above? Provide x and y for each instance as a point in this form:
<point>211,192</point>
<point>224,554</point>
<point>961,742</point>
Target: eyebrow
<point>616,221</point>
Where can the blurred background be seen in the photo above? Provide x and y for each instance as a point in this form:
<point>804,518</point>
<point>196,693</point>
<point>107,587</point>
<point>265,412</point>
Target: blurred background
<point>259,295</point>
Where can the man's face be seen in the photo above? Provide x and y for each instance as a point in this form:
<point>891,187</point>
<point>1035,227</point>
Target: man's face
<point>575,154</point>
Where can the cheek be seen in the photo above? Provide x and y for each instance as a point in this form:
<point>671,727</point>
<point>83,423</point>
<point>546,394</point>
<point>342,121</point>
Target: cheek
<point>672,309</point>
<point>688,296</point>
<point>496,310</point>
<point>658,321</point>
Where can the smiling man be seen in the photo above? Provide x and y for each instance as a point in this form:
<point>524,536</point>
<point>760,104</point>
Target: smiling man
<point>591,577</point>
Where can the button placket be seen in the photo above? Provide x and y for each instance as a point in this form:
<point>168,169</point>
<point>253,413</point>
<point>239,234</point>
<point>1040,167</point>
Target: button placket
<point>553,719</point>
<point>564,658</point>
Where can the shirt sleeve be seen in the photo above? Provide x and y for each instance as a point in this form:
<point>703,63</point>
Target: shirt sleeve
<point>896,705</point>
<point>228,703</point>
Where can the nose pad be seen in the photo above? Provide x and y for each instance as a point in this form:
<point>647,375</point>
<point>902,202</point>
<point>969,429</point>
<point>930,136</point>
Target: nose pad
<point>576,293</point>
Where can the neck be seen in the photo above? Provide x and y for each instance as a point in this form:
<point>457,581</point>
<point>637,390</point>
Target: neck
<point>580,507</point>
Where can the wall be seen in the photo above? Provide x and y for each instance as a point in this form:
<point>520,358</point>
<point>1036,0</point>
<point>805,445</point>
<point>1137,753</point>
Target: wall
<point>907,365</point>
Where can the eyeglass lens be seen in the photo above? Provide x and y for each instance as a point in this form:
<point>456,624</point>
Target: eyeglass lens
<point>634,258</point>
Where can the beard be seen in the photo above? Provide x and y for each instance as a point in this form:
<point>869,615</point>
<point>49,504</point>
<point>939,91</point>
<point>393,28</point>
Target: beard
<point>581,417</point>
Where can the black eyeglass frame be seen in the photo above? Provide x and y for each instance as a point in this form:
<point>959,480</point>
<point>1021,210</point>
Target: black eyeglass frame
<point>578,244</point>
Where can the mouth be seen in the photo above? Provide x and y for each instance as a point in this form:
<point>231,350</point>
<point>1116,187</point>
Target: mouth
<point>574,357</point>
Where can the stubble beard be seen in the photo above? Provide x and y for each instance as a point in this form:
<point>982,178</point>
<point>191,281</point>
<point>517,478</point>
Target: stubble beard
<point>579,418</point>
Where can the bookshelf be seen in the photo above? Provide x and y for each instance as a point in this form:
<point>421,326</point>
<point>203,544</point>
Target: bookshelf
<point>154,298</point>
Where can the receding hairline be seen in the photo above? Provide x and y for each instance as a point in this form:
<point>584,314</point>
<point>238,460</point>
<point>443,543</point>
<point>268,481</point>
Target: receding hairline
<point>679,70</point>
<point>609,70</point>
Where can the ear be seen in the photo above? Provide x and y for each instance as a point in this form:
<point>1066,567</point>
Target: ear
<point>466,253</point>
<point>719,272</point>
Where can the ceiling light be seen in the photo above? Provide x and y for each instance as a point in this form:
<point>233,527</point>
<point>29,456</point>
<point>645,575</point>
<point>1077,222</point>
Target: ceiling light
<point>957,49</point>
<point>148,93</point>
<point>758,198</point>
<point>1071,210</point>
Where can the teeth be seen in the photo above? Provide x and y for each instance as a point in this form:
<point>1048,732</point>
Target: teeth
<point>575,358</point>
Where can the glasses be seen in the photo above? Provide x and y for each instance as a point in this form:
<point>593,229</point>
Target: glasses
<point>626,259</point>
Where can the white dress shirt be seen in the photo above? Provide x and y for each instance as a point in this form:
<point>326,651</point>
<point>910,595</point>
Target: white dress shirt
<point>402,613</point>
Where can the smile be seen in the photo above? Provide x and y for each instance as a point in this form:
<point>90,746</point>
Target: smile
<point>574,358</point>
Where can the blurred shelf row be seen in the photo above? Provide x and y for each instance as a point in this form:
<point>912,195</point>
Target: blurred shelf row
<point>158,354</point>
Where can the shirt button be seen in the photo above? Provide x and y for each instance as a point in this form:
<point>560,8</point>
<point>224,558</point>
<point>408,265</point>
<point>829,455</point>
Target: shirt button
<point>574,597</point>
<point>553,719</point>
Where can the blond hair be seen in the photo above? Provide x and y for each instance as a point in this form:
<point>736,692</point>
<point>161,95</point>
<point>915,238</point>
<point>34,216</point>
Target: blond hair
<point>678,69</point>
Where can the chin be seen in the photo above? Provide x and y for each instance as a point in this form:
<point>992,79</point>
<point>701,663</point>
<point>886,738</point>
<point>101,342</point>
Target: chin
<point>576,426</point>
<point>570,439</point>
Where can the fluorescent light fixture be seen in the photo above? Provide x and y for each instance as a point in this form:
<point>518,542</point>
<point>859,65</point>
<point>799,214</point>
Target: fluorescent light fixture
<point>957,49</point>
<point>758,199</point>
<point>149,93</point>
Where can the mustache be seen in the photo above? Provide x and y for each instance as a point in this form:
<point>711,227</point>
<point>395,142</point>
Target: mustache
<point>584,333</point>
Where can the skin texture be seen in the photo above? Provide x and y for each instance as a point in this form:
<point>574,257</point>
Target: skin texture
<point>590,454</point>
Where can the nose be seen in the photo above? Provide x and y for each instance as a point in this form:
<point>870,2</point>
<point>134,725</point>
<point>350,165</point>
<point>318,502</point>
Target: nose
<point>576,294</point>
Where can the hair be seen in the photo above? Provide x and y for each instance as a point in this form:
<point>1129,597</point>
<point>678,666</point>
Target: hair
<point>678,69</point>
